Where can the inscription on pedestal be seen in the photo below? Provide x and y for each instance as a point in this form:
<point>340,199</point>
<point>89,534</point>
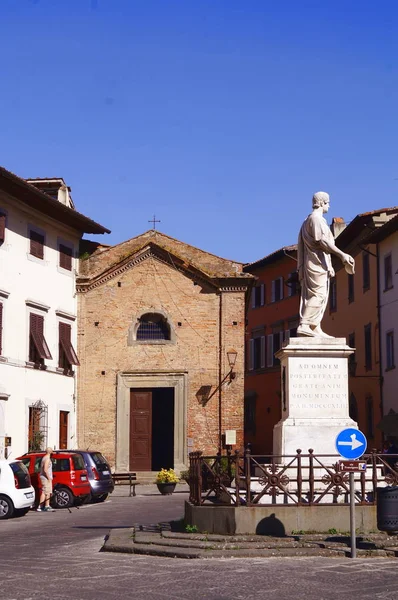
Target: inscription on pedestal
<point>318,387</point>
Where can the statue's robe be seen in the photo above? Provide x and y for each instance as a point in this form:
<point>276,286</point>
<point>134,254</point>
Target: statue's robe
<point>314,268</point>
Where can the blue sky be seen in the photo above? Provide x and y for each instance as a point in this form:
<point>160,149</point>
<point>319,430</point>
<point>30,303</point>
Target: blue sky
<point>222,117</point>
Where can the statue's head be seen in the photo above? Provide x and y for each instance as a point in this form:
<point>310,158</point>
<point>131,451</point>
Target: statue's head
<point>321,199</point>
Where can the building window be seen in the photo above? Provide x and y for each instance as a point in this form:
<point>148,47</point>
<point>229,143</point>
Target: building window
<point>250,415</point>
<point>65,257</point>
<point>66,353</point>
<point>257,352</point>
<point>369,417</point>
<point>351,294</point>
<point>388,282</point>
<point>36,244</point>
<point>365,271</point>
<point>63,429</point>
<point>37,434</point>
<point>153,326</point>
<point>38,348</point>
<point>353,408</point>
<point>390,360</point>
<point>258,295</point>
<point>352,363</point>
<point>2,227</point>
<point>293,284</point>
<point>333,295</point>
<point>368,346</point>
<point>274,343</point>
<point>277,290</point>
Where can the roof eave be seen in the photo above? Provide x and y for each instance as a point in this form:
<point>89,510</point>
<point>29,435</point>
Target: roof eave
<point>33,197</point>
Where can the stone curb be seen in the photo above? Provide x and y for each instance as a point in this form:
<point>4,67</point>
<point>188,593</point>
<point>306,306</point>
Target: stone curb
<point>154,542</point>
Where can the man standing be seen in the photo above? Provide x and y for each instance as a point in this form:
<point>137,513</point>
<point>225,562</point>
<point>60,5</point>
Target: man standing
<point>46,480</point>
<point>315,245</point>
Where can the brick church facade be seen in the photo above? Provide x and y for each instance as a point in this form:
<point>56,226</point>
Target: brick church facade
<point>161,340</point>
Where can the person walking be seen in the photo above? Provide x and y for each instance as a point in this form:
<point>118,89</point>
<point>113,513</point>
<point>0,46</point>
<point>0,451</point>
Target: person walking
<point>46,480</point>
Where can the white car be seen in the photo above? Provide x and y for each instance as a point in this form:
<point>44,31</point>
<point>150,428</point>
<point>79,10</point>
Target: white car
<point>16,492</point>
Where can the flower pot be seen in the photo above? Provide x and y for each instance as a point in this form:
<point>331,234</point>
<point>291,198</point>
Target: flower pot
<point>166,488</point>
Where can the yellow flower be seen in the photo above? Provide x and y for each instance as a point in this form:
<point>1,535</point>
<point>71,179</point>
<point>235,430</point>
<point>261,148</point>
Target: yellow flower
<point>167,476</point>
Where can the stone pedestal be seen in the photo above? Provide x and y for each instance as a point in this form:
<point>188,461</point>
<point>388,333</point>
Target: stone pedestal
<point>315,405</point>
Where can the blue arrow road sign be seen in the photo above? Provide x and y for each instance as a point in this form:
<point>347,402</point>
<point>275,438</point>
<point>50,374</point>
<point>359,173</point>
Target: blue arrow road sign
<point>351,443</point>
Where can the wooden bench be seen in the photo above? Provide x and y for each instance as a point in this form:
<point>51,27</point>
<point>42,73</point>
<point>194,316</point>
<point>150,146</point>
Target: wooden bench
<point>126,479</point>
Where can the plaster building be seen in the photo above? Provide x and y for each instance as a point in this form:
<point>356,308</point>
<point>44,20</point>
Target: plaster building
<point>161,344</point>
<point>386,240</point>
<point>353,313</point>
<point>39,239</point>
<point>272,317</point>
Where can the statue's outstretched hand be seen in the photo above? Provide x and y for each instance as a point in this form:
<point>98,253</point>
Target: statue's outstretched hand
<point>349,263</point>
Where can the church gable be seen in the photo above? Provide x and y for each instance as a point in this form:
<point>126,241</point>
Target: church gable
<point>112,262</point>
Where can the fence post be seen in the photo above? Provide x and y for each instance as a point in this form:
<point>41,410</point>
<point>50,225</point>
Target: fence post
<point>237,475</point>
<point>311,476</point>
<point>247,476</point>
<point>299,477</point>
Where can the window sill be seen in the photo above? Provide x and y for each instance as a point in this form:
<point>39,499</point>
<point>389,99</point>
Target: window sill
<point>366,289</point>
<point>66,372</point>
<point>152,342</point>
<point>37,366</point>
<point>390,368</point>
<point>388,288</point>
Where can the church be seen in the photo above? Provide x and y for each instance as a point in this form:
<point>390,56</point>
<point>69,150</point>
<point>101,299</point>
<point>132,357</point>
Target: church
<point>161,343</point>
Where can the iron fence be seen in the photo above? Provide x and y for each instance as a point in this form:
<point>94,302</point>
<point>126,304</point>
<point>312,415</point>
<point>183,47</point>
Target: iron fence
<point>243,479</point>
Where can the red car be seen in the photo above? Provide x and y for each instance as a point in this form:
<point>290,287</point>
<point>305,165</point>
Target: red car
<point>70,481</point>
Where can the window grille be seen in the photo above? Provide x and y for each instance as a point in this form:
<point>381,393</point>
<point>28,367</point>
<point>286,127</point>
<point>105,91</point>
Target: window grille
<point>153,327</point>
<point>38,426</point>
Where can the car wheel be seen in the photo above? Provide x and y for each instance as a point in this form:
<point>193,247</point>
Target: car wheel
<point>21,512</point>
<point>6,507</point>
<point>101,498</point>
<point>62,498</point>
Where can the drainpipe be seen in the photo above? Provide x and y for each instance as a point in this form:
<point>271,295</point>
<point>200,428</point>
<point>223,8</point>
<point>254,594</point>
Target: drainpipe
<point>220,375</point>
<point>380,340</point>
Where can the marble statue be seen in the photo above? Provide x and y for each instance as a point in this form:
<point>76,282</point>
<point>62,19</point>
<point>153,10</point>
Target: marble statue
<point>315,246</point>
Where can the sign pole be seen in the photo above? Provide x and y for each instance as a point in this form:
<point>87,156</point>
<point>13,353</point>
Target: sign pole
<point>352,517</point>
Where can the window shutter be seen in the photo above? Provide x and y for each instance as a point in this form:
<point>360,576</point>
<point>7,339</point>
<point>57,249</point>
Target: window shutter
<point>290,286</point>
<point>262,294</point>
<point>65,257</point>
<point>37,334</point>
<point>2,227</point>
<point>251,354</point>
<point>270,350</point>
<point>253,297</point>
<point>262,357</point>
<point>36,244</point>
<point>281,288</point>
<point>64,332</point>
<point>273,291</point>
<point>281,336</point>
<point>1,328</point>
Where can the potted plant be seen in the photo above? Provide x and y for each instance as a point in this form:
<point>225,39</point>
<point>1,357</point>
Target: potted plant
<point>166,481</point>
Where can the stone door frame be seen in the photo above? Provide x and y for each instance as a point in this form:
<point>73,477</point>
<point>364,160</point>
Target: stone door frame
<point>156,379</point>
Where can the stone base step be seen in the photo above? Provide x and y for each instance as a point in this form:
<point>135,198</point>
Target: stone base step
<point>148,541</point>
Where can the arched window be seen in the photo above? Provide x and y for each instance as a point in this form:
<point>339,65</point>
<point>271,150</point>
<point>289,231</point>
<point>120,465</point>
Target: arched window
<point>353,408</point>
<point>153,326</point>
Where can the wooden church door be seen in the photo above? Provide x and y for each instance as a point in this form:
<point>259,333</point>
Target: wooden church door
<point>140,430</point>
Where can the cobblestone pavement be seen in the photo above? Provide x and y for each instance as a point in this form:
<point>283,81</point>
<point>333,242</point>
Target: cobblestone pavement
<point>56,557</point>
